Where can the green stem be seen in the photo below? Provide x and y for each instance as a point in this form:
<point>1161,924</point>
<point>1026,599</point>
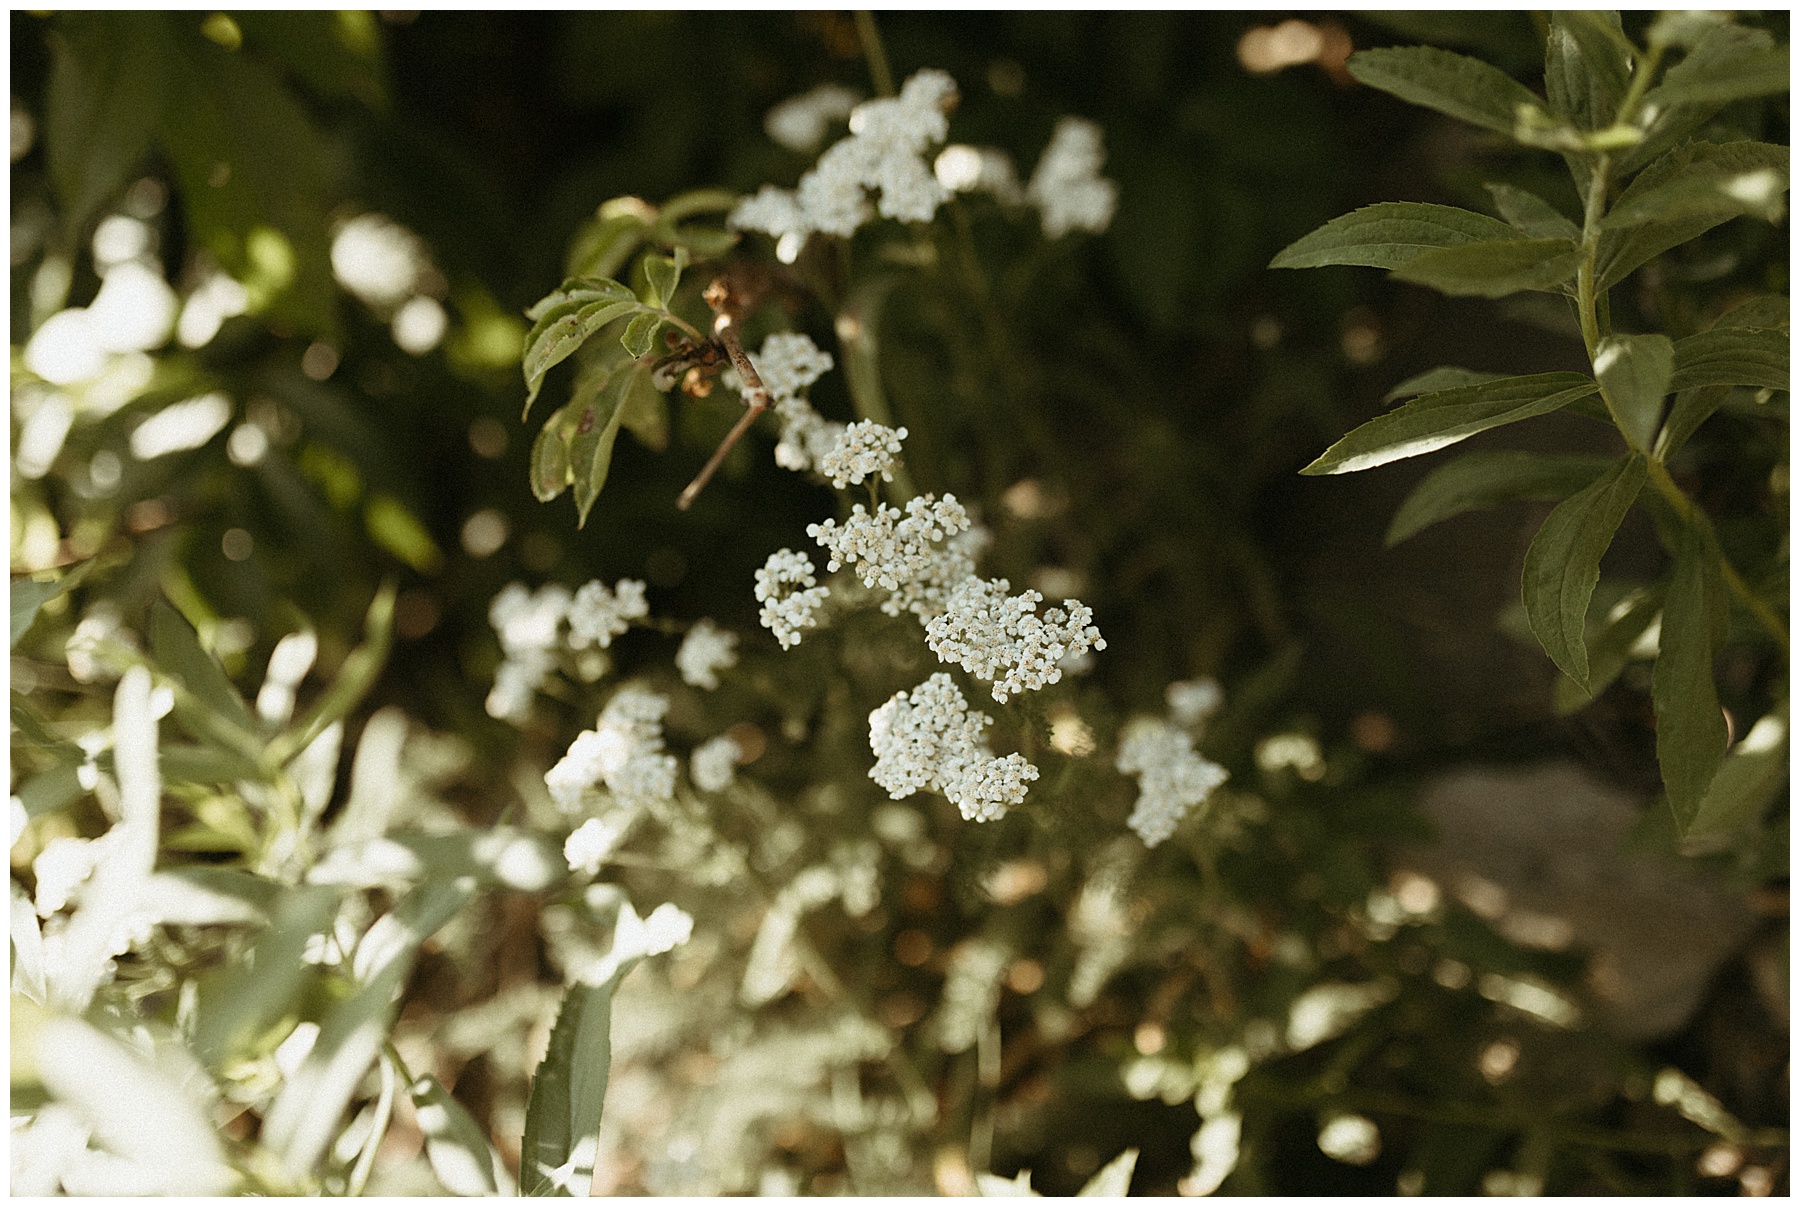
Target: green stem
<point>1688,510</point>
<point>879,72</point>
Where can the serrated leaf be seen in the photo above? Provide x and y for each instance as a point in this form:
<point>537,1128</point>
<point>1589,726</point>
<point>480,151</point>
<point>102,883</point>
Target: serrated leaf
<point>1530,214</point>
<point>457,1147</point>
<point>1493,270</point>
<point>1701,179</point>
<point>1610,649</point>
<point>1720,49</point>
<point>563,326</point>
<point>550,474</point>
<point>1757,73</point>
<point>177,651</point>
<point>1623,248</point>
<point>1732,356</point>
<point>1433,381</point>
<point>1634,371</point>
<point>243,999</point>
<point>1747,780</point>
<point>662,274</point>
<point>1563,564</point>
<point>29,595</point>
<point>1691,732</point>
<point>567,1094</point>
<point>640,334</point>
<point>1439,420</point>
<point>1113,1181</point>
<point>1464,88</point>
<point>1587,67</point>
<point>1389,234</point>
<point>1478,480</point>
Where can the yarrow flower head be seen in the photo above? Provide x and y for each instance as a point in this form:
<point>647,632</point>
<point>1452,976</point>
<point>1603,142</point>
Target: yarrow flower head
<point>1067,186</point>
<point>884,154</point>
<point>624,751</point>
<point>705,651</point>
<point>930,739</point>
<point>800,122</point>
<point>912,554</point>
<point>788,363</point>
<point>597,615</point>
<point>594,841</point>
<point>1172,777</point>
<point>1001,639</point>
<point>714,764</point>
<point>865,450</point>
<point>785,586</point>
<point>1192,701</point>
<point>527,625</point>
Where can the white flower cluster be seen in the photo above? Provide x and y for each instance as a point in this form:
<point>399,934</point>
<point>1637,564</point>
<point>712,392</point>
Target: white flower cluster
<point>527,625</point>
<point>714,764</point>
<point>785,586</point>
<point>1001,639</point>
<point>705,651</point>
<point>594,841</point>
<point>902,552</point>
<point>865,450</point>
<point>624,751</point>
<point>1193,701</point>
<point>884,153</point>
<point>966,169</point>
<point>597,614</point>
<point>788,363</point>
<point>101,647</point>
<point>1067,186</point>
<point>800,122</point>
<point>930,739</point>
<point>1172,777</point>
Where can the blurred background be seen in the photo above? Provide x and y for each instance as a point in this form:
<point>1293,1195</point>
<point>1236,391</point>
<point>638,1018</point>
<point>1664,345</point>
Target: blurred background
<point>354,211</point>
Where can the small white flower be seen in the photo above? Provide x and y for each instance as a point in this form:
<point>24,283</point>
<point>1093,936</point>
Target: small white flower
<point>624,751</point>
<point>866,450</point>
<point>1172,778</point>
<point>714,764</point>
<point>789,362</point>
<point>912,554</point>
<point>786,610</point>
<point>597,615</point>
<point>1002,639</point>
<point>100,647</point>
<point>705,651</point>
<point>799,123</point>
<point>1192,701</point>
<point>594,841</point>
<point>1067,186</point>
<point>930,739</point>
<point>60,869</point>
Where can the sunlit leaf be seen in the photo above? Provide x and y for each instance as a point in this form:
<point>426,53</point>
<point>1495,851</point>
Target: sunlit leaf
<point>1635,372</point>
<point>352,682</point>
<point>178,652</point>
<point>1458,85</point>
<point>29,595</point>
<point>562,1120</point>
<point>1113,1181</point>
<point>1478,480</point>
<point>640,334</point>
<point>240,1001</point>
<point>580,309</point>
<point>1718,180</point>
<point>1434,381</point>
<point>1747,780</point>
<point>1691,732</point>
<point>1563,564</point>
<point>1611,648</point>
<point>455,1144</point>
<point>1716,82</point>
<point>1439,420</point>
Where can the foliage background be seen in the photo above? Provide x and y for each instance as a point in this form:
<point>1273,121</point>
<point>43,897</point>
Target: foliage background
<point>1160,384</point>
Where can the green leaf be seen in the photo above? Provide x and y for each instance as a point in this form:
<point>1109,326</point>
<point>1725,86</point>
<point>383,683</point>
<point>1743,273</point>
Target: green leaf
<point>600,403</point>
<point>1434,381</point>
<point>1732,356</point>
<point>1623,248</point>
<point>1766,310</point>
<point>457,1147</point>
<point>1439,420</point>
<point>104,99</point>
<point>1389,234</point>
<point>1634,371</point>
<point>1720,180</point>
<point>29,727</point>
<point>1531,214</point>
<point>395,528</point>
<point>177,651</point>
<point>1691,732</point>
<point>1563,564</point>
<point>1462,87</point>
<point>1113,1181</point>
<point>567,1094</point>
<point>1587,67</point>
<point>29,595</point>
<point>640,334</point>
<point>1747,780</point>
<point>244,998</point>
<point>336,54</point>
<point>1713,82</point>
<point>694,201</point>
<point>605,244</point>
<point>1721,49</point>
<point>662,274</point>
<point>644,411</point>
<point>1610,648</point>
<point>550,474</point>
<point>567,319</point>
<point>1493,270</point>
<point>1478,480</point>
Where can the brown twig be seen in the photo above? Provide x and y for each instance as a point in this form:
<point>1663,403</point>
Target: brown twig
<point>755,394</point>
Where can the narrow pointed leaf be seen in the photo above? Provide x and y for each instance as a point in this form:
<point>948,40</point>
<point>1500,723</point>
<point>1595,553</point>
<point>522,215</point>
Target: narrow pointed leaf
<point>1433,381</point>
<point>562,1119</point>
<point>1493,270</point>
<point>1766,310</point>
<point>1458,85</point>
<point>1389,234</point>
<point>1113,1181</point>
<point>1587,66</point>
<point>1563,564</point>
<point>457,1147</point>
<point>1530,214</point>
<point>1478,480</point>
<point>1691,732</point>
<point>178,651</point>
<point>243,999</point>
<point>1732,356</point>
<point>352,682</point>
<point>1439,420</point>
<point>1705,179</point>
<point>28,596</point>
<point>1760,73</point>
<point>1692,408</point>
<point>1610,649</point>
<point>1634,370</point>
<point>1747,780</point>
